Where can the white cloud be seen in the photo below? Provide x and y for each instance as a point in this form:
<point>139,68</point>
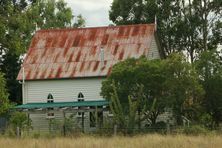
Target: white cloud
<point>96,12</point>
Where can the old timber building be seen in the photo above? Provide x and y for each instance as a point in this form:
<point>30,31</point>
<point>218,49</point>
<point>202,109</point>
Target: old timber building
<point>64,68</point>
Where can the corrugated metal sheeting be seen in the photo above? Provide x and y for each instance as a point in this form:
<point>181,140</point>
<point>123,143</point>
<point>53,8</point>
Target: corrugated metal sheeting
<point>72,53</point>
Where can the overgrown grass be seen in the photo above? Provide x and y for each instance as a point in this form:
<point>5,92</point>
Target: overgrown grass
<point>142,141</point>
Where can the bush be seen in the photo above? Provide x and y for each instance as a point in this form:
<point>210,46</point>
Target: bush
<point>10,132</point>
<point>20,120</point>
<point>195,130</point>
<point>67,127</point>
<point>36,135</point>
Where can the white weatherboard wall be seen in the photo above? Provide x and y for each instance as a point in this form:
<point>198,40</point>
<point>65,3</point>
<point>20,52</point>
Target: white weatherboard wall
<point>65,90</point>
<point>154,51</point>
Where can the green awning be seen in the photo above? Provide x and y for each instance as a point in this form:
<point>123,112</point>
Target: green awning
<point>63,104</point>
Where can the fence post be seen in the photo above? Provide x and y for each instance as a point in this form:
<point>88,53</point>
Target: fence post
<point>64,126</point>
<point>115,130</point>
<point>168,127</point>
<point>82,122</point>
<point>97,118</point>
<point>17,132</point>
<point>28,115</point>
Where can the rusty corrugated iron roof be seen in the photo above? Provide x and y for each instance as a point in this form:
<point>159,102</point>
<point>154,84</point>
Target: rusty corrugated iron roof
<point>72,53</point>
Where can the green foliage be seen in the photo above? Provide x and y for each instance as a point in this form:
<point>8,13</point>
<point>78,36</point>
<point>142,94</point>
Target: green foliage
<point>209,67</point>
<point>182,25</point>
<point>80,21</point>
<point>125,121</point>
<point>170,83</point>
<point>68,126</point>
<point>21,120</point>
<point>206,120</point>
<point>116,109</point>
<point>19,20</point>
<point>138,79</point>
<point>71,125</point>
<point>195,130</point>
<point>183,91</point>
<point>4,102</point>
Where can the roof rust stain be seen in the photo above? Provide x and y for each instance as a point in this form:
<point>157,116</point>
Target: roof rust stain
<point>138,48</point>
<point>58,73</point>
<point>79,50</point>
<point>49,41</point>
<point>34,59</point>
<point>63,39</point>
<point>92,35</point>
<point>121,31</point>
<point>89,65</point>
<point>34,42</point>
<point>136,30</point>
<point>73,72</point>
<point>56,58</point>
<point>109,71</point>
<point>104,66</point>
<point>76,41</point>
<point>78,56</point>
<point>50,74</point>
<point>93,50</point>
<point>96,66</point>
<point>115,50</point>
<point>127,31</point>
<point>70,57</point>
<point>43,74</point>
<point>65,51</point>
<point>105,39</point>
<point>121,55</point>
<point>28,74</point>
<point>82,66</point>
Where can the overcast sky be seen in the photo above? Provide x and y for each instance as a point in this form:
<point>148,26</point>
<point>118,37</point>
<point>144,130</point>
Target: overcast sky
<point>96,12</point>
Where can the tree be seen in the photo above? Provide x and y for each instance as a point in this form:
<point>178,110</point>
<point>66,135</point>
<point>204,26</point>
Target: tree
<point>191,26</point>
<point>209,67</point>
<point>4,102</point>
<point>20,120</point>
<point>140,80</point>
<point>170,83</point>
<point>182,88</point>
<point>19,19</point>
<point>127,121</point>
<point>80,21</point>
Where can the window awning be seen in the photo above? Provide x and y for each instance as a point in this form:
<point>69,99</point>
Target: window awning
<point>63,104</point>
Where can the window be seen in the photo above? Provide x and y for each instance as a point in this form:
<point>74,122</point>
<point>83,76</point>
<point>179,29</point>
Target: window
<point>50,99</point>
<point>80,96</point>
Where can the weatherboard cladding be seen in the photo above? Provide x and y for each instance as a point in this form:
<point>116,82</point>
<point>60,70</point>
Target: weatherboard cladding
<point>72,53</point>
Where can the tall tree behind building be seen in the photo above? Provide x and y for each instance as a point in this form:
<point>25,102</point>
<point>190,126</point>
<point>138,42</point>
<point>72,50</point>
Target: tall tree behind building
<point>183,25</point>
<point>19,19</point>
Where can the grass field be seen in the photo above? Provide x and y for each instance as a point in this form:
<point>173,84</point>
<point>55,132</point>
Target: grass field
<point>145,141</point>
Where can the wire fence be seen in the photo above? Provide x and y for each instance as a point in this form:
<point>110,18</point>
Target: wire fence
<point>72,127</point>
<point>102,131</point>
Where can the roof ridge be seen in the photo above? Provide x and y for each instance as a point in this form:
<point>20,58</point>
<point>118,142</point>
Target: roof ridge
<point>96,27</point>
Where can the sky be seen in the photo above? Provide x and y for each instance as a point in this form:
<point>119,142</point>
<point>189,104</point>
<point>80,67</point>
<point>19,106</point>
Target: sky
<point>95,12</point>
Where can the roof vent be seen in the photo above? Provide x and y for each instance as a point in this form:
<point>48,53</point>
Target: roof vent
<point>102,57</point>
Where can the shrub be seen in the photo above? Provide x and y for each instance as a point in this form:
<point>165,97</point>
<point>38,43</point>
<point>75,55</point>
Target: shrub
<point>195,130</point>
<point>20,120</point>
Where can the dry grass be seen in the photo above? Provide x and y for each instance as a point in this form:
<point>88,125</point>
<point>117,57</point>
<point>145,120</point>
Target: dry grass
<point>150,141</point>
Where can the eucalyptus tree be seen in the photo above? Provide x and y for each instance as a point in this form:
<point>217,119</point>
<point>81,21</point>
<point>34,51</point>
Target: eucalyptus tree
<point>209,67</point>
<point>191,26</point>
<point>19,20</point>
